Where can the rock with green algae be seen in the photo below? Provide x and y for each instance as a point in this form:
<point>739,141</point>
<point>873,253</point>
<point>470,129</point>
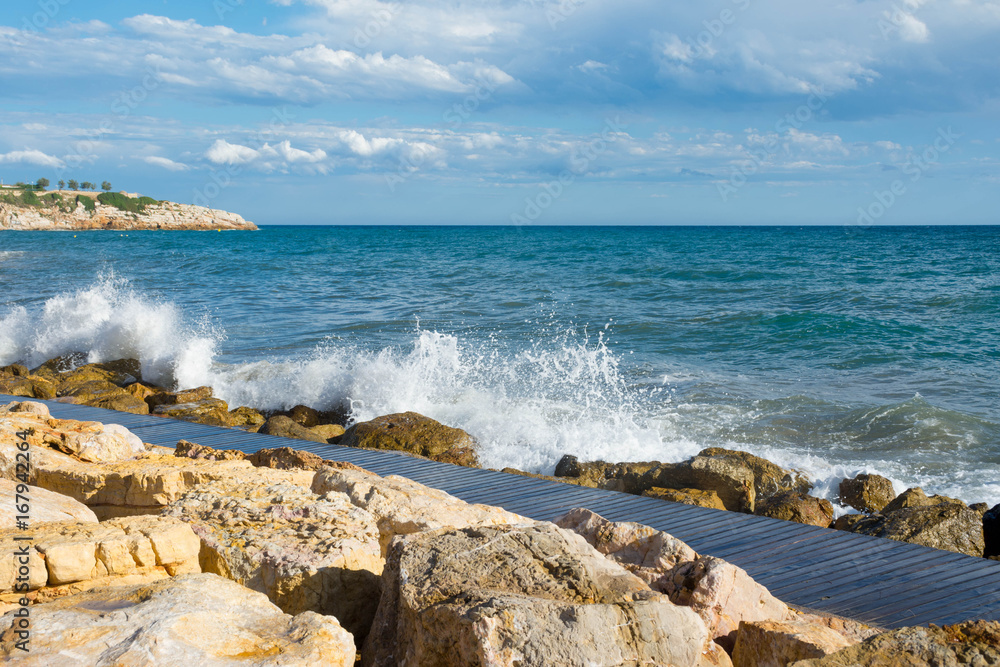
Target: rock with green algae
<point>974,643</point>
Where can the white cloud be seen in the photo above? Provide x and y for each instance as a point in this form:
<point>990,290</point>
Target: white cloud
<point>223,152</point>
<point>888,145</point>
<point>31,156</point>
<point>166,163</point>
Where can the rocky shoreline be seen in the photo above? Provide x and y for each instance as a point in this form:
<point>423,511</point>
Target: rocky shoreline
<point>136,554</point>
<point>715,478</point>
<point>80,211</point>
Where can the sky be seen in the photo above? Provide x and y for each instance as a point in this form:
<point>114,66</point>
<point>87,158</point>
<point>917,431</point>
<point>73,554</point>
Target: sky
<point>739,112</point>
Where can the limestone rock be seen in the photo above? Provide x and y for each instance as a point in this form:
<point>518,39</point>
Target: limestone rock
<point>407,432</point>
<point>731,480</point>
<point>649,554</point>
<point>603,475</point>
<point>286,428</point>
<point>529,594</point>
<point>848,521</point>
<point>303,552</point>
<point>247,419</point>
<point>991,532</point>
<point>401,506</point>
<point>198,619</point>
<point>192,450</point>
<point>694,497</point>
<point>780,643</point>
<point>303,415</point>
<point>143,485</point>
<point>286,458</point>
<point>769,479</point>
<point>722,594</point>
<point>797,507</point>
<point>211,411</point>
<point>331,432</point>
<point>974,643</point>
<point>28,386</point>
<point>71,552</point>
<point>945,526</point>
<point>30,407</point>
<point>163,215</point>
<point>88,441</point>
<point>867,493</point>
<point>916,497</point>
<point>46,506</point>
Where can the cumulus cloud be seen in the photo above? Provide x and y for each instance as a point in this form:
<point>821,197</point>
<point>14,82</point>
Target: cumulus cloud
<point>31,156</point>
<point>165,163</point>
<point>223,152</point>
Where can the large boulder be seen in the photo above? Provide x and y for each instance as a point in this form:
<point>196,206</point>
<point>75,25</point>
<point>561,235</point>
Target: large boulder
<point>247,419</point>
<point>797,507</point>
<point>948,526</point>
<point>87,441</point>
<point>408,432</point>
<point>780,643</point>
<point>649,554</point>
<point>192,450</point>
<point>210,411</point>
<point>722,594</point>
<point>28,386</point>
<point>401,506</point>
<point>732,481</point>
<point>769,478</point>
<point>867,493</point>
<point>974,643</point>
<point>694,497</point>
<point>284,427</point>
<point>916,497</point>
<point>71,556</point>
<point>530,594</point>
<point>197,619</point>
<point>142,485</point>
<point>46,506</point>
<point>304,552</point>
<point>601,474</point>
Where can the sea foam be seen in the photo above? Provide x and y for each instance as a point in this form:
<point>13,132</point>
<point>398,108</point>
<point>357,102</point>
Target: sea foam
<point>565,392</point>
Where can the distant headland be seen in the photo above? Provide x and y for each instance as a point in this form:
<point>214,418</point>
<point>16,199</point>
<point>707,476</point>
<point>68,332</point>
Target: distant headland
<point>30,207</point>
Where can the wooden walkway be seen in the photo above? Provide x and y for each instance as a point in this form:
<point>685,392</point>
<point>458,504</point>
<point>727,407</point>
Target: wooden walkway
<point>876,581</point>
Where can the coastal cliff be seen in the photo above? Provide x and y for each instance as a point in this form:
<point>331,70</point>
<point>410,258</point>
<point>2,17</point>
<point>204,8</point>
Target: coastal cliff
<point>72,211</point>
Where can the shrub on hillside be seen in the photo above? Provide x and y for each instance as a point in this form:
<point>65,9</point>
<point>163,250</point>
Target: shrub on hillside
<point>125,203</point>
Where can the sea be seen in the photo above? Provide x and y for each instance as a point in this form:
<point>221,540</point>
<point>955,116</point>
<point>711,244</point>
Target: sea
<point>831,350</point>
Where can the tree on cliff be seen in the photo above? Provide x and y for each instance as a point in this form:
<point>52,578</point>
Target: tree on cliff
<point>106,186</point>
<point>62,184</point>
<point>73,185</point>
<point>42,183</point>
<point>87,185</point>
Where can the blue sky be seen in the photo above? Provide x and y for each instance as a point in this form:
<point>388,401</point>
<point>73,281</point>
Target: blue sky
<point>515,111</point>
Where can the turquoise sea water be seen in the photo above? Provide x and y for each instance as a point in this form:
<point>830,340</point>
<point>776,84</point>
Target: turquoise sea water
<point>835,350</point>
